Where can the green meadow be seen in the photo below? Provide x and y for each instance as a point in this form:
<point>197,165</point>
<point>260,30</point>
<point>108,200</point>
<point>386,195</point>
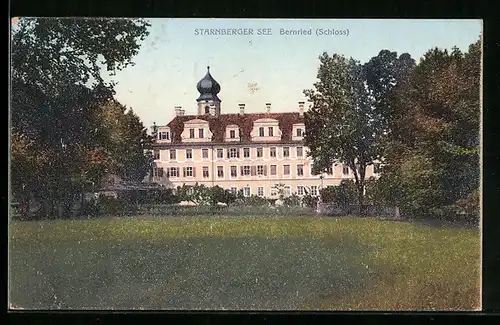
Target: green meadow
<point>243,263</point>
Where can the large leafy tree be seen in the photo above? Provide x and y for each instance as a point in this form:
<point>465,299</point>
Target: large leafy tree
<point>349,119</point>
<point>127,139</point>
<point>58,79</point>
<point>435,132</point>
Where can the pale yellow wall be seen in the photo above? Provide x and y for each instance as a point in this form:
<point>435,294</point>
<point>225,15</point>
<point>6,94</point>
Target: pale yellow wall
<point>267,181</point>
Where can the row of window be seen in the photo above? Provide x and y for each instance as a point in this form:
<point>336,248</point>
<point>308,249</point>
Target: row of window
<point>273,192</point>
<point>232,133</point>
<point>258,170</point>
<point>234,153</point>
<point>260,191</point>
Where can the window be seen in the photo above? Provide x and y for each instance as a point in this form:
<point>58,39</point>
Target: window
<point>376,168</point>
<point>245,170</point>
<point>261,131</point>
<point>260,191</point>
<point>288,190</point>
<point>300,170</point>
<point>234,171</point>
<point>205,172</point>
<point>220,153</point>
<point>189,153</point>
<point>314,190</point>
<point>232,134</point>
<point>172,154</point>
<point>246,191</point>
<point>191,133</point>
<point>201,133</point>
<point>156,154</point>
<point>299,132</point>
<point>272,152</point>
<point>273,170</point>
<point>260,152</point>
<point>220,171</point>
<point>286,169</point>
<point>234,190</point>
<point>188,171</point>
<point>207,109</point>
<point>345,170</point>
<point>246,152</point>
<point>300,190</point>
<point>274,191</point>
<point>233,153</point>
<point>271,131</point>
<point>300,151</point>
<point>286,152</point>
<point>174,172</point>
<point>158,172</point>
<point>204,153</point>
<point>163,136</point>
<point>261,170</point>
<point>329,170</point>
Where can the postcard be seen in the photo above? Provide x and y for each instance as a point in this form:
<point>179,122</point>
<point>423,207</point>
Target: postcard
<point>245,164</point>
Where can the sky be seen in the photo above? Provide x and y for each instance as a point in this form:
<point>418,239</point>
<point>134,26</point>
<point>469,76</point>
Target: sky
<point>175,56</point>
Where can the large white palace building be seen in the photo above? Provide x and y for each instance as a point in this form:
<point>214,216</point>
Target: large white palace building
<point>249,152</point>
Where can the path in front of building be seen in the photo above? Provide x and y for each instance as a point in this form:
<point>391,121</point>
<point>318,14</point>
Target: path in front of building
<point>254,273</point>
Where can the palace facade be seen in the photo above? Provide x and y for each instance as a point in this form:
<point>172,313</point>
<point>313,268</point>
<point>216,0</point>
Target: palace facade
<point>245,151</point>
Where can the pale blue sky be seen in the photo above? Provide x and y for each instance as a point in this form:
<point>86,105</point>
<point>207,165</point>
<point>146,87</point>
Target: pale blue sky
<point>173,59</point>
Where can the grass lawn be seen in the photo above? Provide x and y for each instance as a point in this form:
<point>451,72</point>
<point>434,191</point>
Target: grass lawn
<point>245,263</point>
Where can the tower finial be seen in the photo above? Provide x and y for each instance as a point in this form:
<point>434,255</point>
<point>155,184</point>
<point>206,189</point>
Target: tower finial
<point>208,67</point>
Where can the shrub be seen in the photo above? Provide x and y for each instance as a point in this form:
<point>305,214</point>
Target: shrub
<point>344,194</point>
<point>310,201</point>
<point>292,200</point>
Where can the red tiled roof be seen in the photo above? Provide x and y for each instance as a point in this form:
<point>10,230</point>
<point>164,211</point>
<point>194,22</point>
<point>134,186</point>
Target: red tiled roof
<point>218,124</point>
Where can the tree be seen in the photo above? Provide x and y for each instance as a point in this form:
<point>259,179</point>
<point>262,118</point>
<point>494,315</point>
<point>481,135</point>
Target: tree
<point>433,160</point>
<point>127,141</point>
<point>57,83</point>
<point>347,122</point>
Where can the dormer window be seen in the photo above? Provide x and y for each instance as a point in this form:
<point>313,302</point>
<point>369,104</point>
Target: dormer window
<point>163,135</point>
<point>298,132</point>
<point>232,134</point>
<point>191,133</point>
<point>265,128</point>
<point>201,134</point>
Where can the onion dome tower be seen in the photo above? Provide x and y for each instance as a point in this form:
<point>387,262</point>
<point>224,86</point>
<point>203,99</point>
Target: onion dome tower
<point>208,101</point>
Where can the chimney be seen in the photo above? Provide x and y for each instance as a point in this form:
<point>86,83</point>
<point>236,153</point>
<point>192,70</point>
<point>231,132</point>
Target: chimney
<point>242,109</point>
<point>268,107</point>
<point>181,112</point>
<point>301,108</point>
<point>177,110</point>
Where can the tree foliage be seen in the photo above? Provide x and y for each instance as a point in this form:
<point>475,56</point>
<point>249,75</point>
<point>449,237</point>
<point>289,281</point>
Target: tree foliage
<point>58,85</point>
<point>342,195</point>
<point>348,121</point>
<point>432,162</point>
